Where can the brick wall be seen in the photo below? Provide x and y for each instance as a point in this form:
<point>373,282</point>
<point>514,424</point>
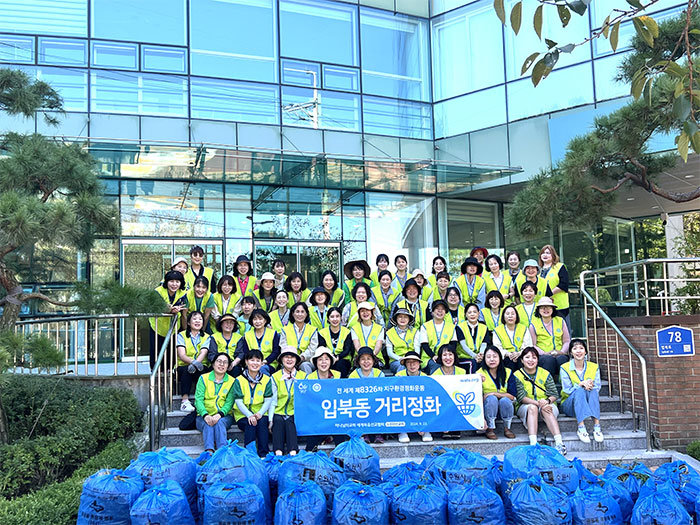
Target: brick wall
<point>674,382</point>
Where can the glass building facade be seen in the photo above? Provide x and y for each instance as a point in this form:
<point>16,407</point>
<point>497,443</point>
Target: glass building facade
<point>316,130</point>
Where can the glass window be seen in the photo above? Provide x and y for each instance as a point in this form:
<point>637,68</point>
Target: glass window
<point>238,101</point>
<point>396,118</point>
<point>529,144</point>
<point>354,223</point>
<point>62,51</point>
<point>466,224</point>
<point>606,85</point>
<point>335,110</point>
<point>318,30</point>
<point>17,49</point>
<point>70,84</point>
<point>440,6</point>
<point>467,50</point>
<point>120,56</point>
<point>164,59</point>
<point>470,112</point>
<point>145,94</point>
<point>172,209</point>
<point>234,39</point>
<point>238,214</point>
<point>45,17</point>
<point>525,100</point>
<point>301,73</point>
<point>133,20</point>
<point>602,8</point>
<point>337,77</point>
<point>401,68</point>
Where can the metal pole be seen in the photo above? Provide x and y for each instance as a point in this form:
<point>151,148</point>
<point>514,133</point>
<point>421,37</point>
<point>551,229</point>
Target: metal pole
<point>75,340</point>
<point>646,287</point>
<point>116,344</point>
<point>619,371</point>
<point>86,342</point>
<point>665,288</point>
<point>136,347</point>
<point>96,346</point>
<point>67,343</point>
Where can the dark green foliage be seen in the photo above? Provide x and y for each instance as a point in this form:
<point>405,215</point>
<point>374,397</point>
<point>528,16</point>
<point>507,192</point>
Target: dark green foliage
<point>36,350</point>
<point>76,422</point>
<point>58,503</point>
<point>694,449</point>
<point>113,297</point>
<point>20,95</point>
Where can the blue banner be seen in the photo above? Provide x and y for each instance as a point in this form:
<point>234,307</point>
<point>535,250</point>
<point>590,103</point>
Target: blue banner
<point>388,405</point>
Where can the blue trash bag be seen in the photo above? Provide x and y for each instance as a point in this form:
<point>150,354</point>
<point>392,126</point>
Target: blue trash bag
<point>632,476</point>
<point>685,479</point>
<point>456,467</point>
<point>358,460</point>
<point>387,487</point>
<point>430,456</point>
<point>303,504</point>
<point>585,476</point>
<point>312,466</point>
<point>107,498</point>
<point>593,504</point>
<point>661,507</point>
<point>233,463</point>
<point>272,466</point>
<point>475,502</point>
<point>167,464</point>
<point>655,484</point>
<point>164,503</point>
<point>234,504</point>
<point>529,460</point>
<point>533,501</point>
<point>404,473</point>
<point>356,502</point>
<point>497,472</point>
<point>620,494</point>
<point>419,503</point>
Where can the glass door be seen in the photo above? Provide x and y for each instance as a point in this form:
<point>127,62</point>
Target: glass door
<point>309,258</point>
<point>267,252</point>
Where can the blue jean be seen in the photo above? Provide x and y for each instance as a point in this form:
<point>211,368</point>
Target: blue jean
<point>582,404</point>
<point>266,369</point>
<point>258,433</point>
<point>493,406</point>
<point>396,366</point>
<point>431,367</point>
<point>214,437</point>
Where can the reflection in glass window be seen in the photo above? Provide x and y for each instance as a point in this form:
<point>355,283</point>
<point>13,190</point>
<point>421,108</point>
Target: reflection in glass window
<point>172,209</point>
<point>238,101</point>
<point>163,59</point>
<point>62,51</point>
<point>470,112</point>
<point>397,118</point>
<point>133,20</point>
<point>70,84</point>
<point>394,55</point>
<point>335,110</point>
<point>465,224</point>
<point>234,39</point>
<point>467,50</point>
<point>353,222</point>
<point>238,213</point>
<point>606,86</point>
<point>301,73</point>
<point>45,17</point>
<point>110,54</point>
<point>17,49</point>
<point>337,77</point>
<point>318,30</point>
<point>602,8</point>
<point>145,94</point>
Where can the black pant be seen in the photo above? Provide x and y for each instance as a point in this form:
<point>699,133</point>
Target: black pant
<point>552,363</point>
<point>153,346</point>
<point>284,431</point>
<point>343,366</point>
<point>258,433</point>
<point>185,380</point>
<point>314,441</point>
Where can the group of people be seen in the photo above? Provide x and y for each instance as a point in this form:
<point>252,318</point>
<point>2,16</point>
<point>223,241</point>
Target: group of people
<point>244,341</point>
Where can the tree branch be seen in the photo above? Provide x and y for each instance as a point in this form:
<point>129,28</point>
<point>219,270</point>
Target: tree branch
<point>674,195</point>
<point>7,249</point>
<point>38,295</point>
<point>628,176</point>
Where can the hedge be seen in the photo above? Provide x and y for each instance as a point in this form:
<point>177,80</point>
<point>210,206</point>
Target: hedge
<point>694,449</point>
<point>77,422</point>
<point>58,503</point>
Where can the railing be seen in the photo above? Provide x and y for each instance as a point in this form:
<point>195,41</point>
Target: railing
<point>160,386</point>
<point>621,288</point>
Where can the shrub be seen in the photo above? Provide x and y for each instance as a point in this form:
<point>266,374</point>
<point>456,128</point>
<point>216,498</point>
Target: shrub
<point>694,449</point>
<point>58,503</point>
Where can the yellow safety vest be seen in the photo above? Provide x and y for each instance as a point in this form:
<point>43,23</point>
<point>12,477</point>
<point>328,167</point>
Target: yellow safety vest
<point>419,310</point>
<point>459,371</point>
<point>258,297</point>
<point>276,321</point>
<point>435,340</point>
<point>504,288</point>
<point>219,302</point>
<point>214,401</point>
<point>266,341</point>
<point>511,345</point>
<point>191,350</point>
<point>589,372</point>
<point>338,348</point>
<point>371,339</point>
<point>160,325</point>
<point>402,373</point>
<point>317,320</point>
<point>532,391</point>
<point>401,344</point>
<point>463,285</point>
<point>549,342</point>
<point>228,347</point>
<point>489,385</point>
<point>305,294</point>
<point>337,298</point>
<point>524,318</point>
<point>473,344</point>
<point>384,306</point>
<point>356,375</point>
<point>560,299</point>
<point>285,395</point>
<point>250,287</point>
<point>253,400</point>
<point>190,276</point>
<point>491,323</point>
<point>314,375</point>
<point>301,343</point>
<point>192,302</point>
<point>540,285</point>
<point>353,319</point>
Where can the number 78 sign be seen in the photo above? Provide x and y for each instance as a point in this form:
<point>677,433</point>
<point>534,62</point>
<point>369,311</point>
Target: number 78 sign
<point>675,341</point>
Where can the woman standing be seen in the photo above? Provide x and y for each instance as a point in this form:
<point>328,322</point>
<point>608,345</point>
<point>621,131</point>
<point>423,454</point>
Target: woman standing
<point>454,305</point>
<point>439,265</point>
<point>225,340</point>
<point>491,315</point>
<point>550,336</point>
<point>530,274</point>
<point>200,299</point>
<point>513,260</point>
<point>473,337</point>
<point>282,426</point>
<point>265,293</point>
<point>471,285</point>
<point>252,394</point>
<point>411,363</point>
<point>510,336</point>
<point>319,307</point>
<point>401,275</point>
<point>338,339</point>
<point>213,402</point>
<point>384,295</point>
<point>301,335</point>
<point>279,317</point>
<point>173,293</point>
<point>191,350</point>
<point>382,262</point>
<point>225,300</point>
<point>367,333</point>
<point>242,272</point>
<point>296,288</point>
<point>413,303</point>
<point>500,390</point>
<point>322,360</point>
<point>197,269</point>
<point>329,281</point>
<point>526,309</point>
<point>437,332</point>
<point>556,276</point>
<point>399,338</point>
<point>360,294</point>
<point>356,272</point>
<point>261,338</point>
<point>496,279</point>
<point>279,267</point>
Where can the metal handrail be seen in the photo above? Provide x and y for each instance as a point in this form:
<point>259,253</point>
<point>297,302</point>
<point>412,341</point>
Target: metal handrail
<point>153,431</point>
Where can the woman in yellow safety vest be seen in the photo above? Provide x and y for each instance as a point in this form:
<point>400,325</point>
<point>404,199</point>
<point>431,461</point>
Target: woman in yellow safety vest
<point>530,274</point>
<point>366,362</point>
<point>580,389</point>
<point>173,293</point>
<point>279,316</point>
<point>425,286</point>
<point>282,426</point>
<point>367,332</point>
<point>550,336</point>
<point>319,302</point>
<point>356,272</point>
<point>510,337</point>
<point>252,394</point>
<point>265,293</point>
<point>400,338</point>
<point>555,274</point>
<point>537,397</point>
<point>411,363</point>
<point>213,402</point>
<point>242,271</point>
<point>197,269</point>
<point>329,281</point>
<point>279,267</point>
<point>499,389</point>
<point>382,262</point>
<point>453,298</point>
<point>412,302</point>
<point>491,313</point>
<point>384,295</point>
<point>439,289</point>
<point>338,339</point>
<point>447,359</point>
<point>440,330</point>
<point>471,285</point>
<point>439,265</point>
<point>225,300</point>
<point>296,288</point>
<point>192,345</point>
<point>401,275</point>
<point>360,293</point>
<point>301,334</point>
<point>225,340</point>
<point>513,261</point>
<point>473,336</point>
<point>322,360</point>
<point>260,337</point>
<point>526,309</point>
<point>200,299</point>
<point>497,279</point>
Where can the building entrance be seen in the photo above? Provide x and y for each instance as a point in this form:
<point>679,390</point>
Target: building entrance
<point>309,258</point>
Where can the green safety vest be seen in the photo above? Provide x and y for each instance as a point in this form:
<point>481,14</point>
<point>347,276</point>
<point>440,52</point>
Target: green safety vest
<point>317,320</point>
<point>589,372</point>
<point>266,341</point>
<point>489,385</point>
<point>504,288</point>
<point>401,344</point>
<point>192,302</point>
<point>384,306</point>
<point>191,350</point>
<point>419,310</point>
<point>228,347</point>
<point>301,343</point>
<point>305,294</point>
<point>532,391</point>
<point>215,400</point>
<point>540,285</point>
<point>524,319</point>
<point>261,302</point>
<point>285,395</point>
<point>337,297</point>
<point>219,302</point>
<point>549,342</point>
<point>342,336</point>
<point>160,325</point>
<point>253,400</point>
<point>511,345</point>
<point>276,321</point>
<point>560,299</point>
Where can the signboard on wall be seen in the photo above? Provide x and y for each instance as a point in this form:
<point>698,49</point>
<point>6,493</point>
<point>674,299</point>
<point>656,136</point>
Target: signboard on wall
<point>675,341</point>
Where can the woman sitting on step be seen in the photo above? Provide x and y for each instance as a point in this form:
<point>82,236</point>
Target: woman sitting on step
<point>500,389</point>
<point>213,402</point>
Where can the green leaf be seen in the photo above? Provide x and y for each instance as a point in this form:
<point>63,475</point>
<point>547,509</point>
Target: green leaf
<point>539,72</point>
<point>681,107</point>
<point>606,26</point>
<point>577,6</point>
<point>564,15</point>
<point>690,127</point>
<point>671,68</point>
<point>680,88</point>
<point>568,48</point>
<point>683,141</point>
<point>516,16</point>
<point>635,3</point>
<point>638,82</point>
<point>695,141</point>
<point>550,43</point>
<point>694,31</point>
<point>528,62</point>
<point>613,35</point>
<point>647,90</point>
<point>537,21</point>
<point>642,31</point>
<point>551,58</point>
<point>500,10</point>
<point>651,25</point>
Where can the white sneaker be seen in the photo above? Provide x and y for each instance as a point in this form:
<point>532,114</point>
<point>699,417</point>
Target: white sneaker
<point>403,438</point>
<point>427,437</point>
<point>561,448</point>
<point>583,435</point>
<point>598,434</point>
<point>186,406</point>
